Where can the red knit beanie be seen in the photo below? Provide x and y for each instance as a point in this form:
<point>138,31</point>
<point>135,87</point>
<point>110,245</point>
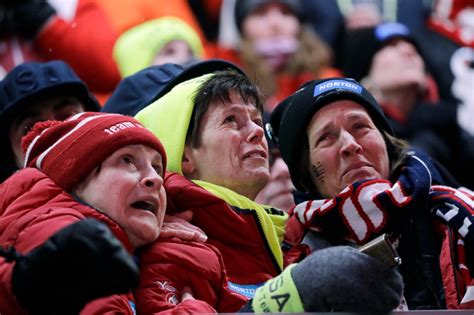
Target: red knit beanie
<point>70,150</point>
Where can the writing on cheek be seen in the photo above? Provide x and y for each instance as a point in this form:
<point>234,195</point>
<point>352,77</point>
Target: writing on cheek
<point>318,171</point>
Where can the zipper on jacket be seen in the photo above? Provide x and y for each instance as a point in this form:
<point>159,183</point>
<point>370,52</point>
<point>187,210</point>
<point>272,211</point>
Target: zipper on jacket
<point>267,244</point>
<point>453,262</point>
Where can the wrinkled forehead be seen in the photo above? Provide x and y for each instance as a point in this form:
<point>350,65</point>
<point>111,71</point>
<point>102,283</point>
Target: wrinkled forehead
<point>341,109</point>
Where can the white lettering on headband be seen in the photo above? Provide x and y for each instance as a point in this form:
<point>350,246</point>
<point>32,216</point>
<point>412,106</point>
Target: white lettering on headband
<point>336,84</point>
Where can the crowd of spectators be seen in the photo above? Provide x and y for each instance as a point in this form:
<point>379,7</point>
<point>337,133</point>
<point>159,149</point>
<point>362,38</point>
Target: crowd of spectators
<point>236,155</point>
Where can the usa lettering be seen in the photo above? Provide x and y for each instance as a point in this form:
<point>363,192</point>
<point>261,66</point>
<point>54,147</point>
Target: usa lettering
<point>275,284</point>
<point>120,126</point>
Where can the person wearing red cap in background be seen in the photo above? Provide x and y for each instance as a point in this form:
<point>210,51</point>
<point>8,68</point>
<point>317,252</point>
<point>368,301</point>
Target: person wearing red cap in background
<point>67,180</point>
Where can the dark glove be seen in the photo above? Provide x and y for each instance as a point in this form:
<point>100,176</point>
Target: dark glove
<point>339,278</point>
<point>343,279</point>
<point>78,264</point>
<point>30,16</point>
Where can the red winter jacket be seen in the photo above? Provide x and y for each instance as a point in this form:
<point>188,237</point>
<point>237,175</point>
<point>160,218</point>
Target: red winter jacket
<point>235,232</point>
<point>32,209</point>
<point>169,265</point>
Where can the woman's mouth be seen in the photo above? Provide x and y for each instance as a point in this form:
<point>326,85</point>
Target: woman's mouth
<point>144,205</point>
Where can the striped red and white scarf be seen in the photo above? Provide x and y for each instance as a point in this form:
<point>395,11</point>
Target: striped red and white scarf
<point>368,208</point>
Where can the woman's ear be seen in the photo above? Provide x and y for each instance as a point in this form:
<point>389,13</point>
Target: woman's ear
<point>187,163</point>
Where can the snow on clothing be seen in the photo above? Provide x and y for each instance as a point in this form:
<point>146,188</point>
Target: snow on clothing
<point>366,209</point>
<point>83,34</point>
<point>79,32</point>
<point>86,36</point>
<point>169,265</point>
<point>94,30</point>
<point>32,209</point>
<point>247,235</point>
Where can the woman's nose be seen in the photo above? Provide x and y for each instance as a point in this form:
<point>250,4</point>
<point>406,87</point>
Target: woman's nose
<point>349,145</point>
<point>256,132</point>
<point>274,19</point>
<point>152,179</point>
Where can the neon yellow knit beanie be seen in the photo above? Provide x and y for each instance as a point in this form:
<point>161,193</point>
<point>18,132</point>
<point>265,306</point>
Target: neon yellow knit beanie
<point>136,48</point>
<point>169,117</point>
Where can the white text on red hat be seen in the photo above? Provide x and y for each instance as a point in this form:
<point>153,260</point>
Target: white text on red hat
<point>120,126</point>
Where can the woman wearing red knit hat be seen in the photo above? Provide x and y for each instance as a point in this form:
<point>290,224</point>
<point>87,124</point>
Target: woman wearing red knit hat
<point>97,179</point>
<point>97,167</point>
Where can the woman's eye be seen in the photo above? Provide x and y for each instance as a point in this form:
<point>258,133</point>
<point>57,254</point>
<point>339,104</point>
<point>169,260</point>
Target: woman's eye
<point>258,122</point>
<point>158,170</point>
<point>230,119</point>
<point>360,126</point>
<point>127,159</point>
<point>321,139</point>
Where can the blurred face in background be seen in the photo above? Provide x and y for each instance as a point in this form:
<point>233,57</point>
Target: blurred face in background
<point>398,65</point>
<point>274,29</point>
<point>269,21</point>
<point>364,14</point>
<point>176,51</point>
<point>278,192</point>
<point>52,108</point>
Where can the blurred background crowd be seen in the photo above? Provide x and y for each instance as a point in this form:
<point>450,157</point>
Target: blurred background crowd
<point>415,56</point>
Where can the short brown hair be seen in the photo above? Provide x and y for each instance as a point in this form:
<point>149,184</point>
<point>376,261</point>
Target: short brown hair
<point>218,89</point>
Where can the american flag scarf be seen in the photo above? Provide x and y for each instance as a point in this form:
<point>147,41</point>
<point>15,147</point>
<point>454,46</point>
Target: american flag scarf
<point>368,208</point>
